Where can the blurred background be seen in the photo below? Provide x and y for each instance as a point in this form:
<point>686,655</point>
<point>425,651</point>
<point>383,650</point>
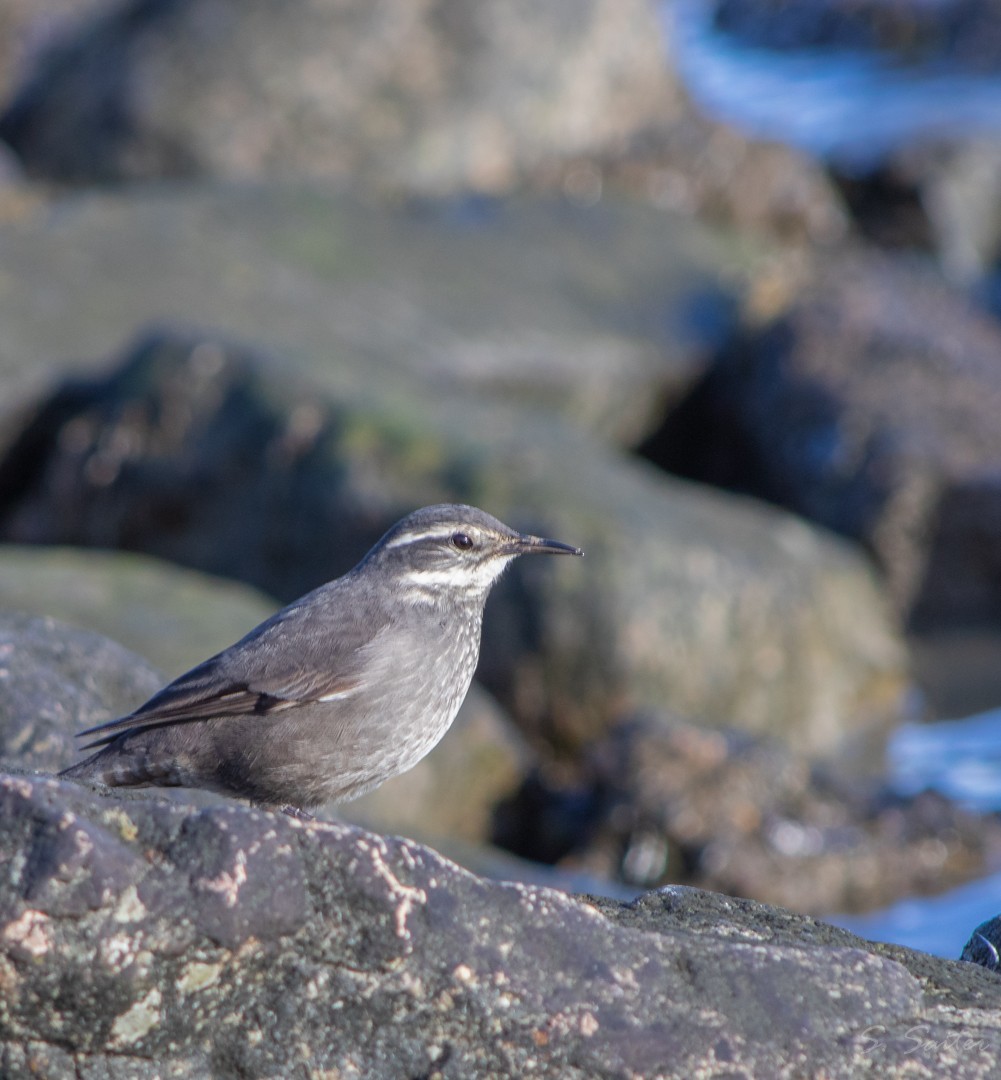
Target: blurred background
<point>710,289</point>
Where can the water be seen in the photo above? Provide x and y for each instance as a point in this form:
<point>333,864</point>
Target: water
<point>940,925</point>
<point>851,108</point>
<point>959,758</point>
<point>962,760</point>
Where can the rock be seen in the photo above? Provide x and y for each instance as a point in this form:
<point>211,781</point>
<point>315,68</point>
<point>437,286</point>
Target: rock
<point>56,680</point>
<point>604,315</point>
<point>424,101</point>
<point>665,801</point>
<point>203,452</point>
<point>962,192</point>
<point>147,936</point>
<point>432,97</point>
<point>982,948</point>
<point>173,617</point>
<point>960,34</point>
<point>941,196</point>
<point>436,99</point>
<point>27,27</point>
<point>489,861</point>
<point>12,183</point>
<point>870,406</point>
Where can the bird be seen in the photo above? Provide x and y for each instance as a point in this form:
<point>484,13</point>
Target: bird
<point>342,689</point>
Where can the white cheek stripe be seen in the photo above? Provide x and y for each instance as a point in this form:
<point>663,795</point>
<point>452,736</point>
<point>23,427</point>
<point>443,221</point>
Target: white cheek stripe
<point>437,577</point>
<point>459,578</point>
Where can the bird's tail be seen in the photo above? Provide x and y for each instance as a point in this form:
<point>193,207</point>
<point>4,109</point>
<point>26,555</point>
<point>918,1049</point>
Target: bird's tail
<point>113,768</point>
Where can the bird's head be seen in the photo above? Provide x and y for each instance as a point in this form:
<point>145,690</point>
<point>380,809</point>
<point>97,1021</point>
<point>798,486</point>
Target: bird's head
<point>454,550</point>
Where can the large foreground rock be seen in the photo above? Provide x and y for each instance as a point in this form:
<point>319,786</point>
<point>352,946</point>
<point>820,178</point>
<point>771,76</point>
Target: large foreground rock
<point>146,936</point>
<point>209,454</point>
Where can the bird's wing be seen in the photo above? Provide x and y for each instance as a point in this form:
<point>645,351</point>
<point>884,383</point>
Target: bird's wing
<point>289,659</point>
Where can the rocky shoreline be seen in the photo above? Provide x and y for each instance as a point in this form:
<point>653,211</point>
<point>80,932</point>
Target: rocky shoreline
<point>136,932</point>
<point>271,278</point>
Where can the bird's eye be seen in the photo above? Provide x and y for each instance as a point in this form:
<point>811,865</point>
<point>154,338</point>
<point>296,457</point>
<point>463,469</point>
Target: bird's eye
<point>461,541</point>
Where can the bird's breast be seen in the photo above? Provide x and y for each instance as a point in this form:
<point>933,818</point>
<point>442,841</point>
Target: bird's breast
<point>414,677</point>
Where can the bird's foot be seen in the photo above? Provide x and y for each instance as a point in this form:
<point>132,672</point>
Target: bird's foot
<point>296,812</point>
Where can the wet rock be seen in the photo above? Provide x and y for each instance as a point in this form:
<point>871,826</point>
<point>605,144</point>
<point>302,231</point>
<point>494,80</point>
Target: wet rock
<point>660,800</point>
<point>870,407</point>
<point>377,956</point>
<point>206,453</point>
<point>982,948</point>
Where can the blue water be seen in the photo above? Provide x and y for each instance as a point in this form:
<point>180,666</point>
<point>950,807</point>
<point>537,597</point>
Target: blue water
<point>848,107</point>
<point>940,925</point>
<point>959,758</point>
<point>962,760</point>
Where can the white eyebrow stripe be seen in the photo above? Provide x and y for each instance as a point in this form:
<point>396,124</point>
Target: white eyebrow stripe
<point>411,536</point>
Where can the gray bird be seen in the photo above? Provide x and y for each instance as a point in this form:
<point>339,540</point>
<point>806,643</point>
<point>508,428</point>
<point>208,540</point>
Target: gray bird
<point>349,685</point>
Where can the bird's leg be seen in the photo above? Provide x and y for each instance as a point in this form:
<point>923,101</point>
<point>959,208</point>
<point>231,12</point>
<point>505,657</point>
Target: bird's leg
<point>284,808</point>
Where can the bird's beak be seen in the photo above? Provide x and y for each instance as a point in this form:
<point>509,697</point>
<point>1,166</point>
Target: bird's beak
<point>538,545</point>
